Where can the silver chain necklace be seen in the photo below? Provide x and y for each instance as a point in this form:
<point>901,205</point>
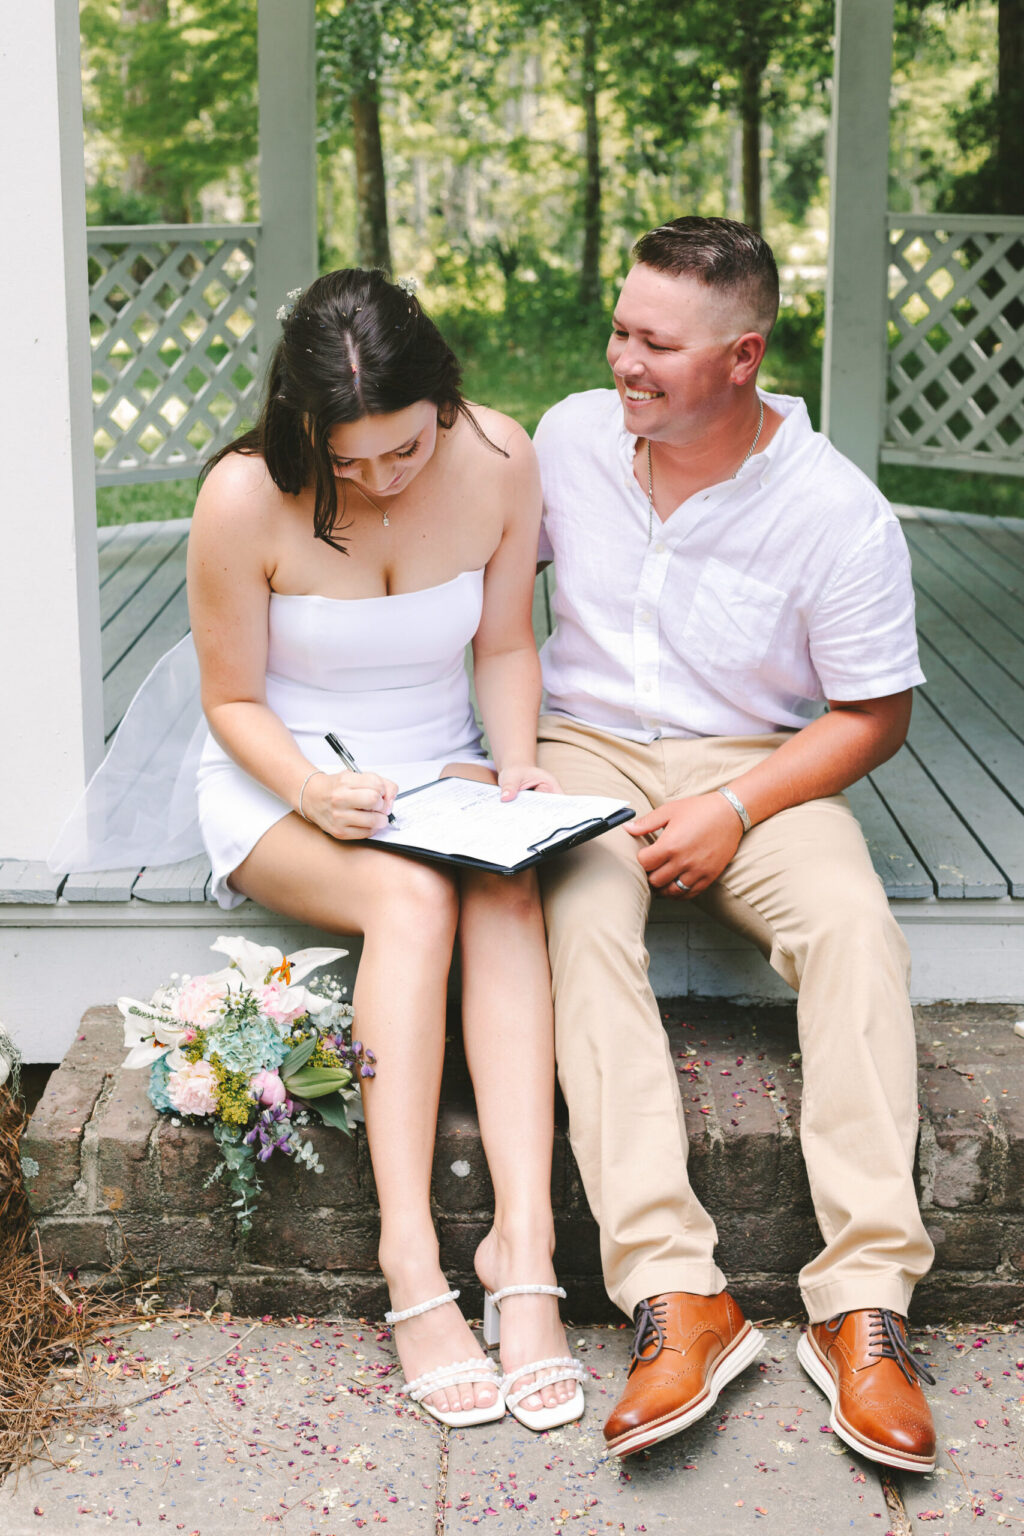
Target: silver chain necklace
<point>650,471</point>
<point>383,510</point>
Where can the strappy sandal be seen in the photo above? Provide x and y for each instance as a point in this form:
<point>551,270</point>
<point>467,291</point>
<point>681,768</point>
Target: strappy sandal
<point>454,1375</point>
<point>547,1372</point>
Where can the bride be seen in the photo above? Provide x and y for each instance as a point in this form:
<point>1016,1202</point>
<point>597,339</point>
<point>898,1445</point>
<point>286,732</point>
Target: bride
<point>342,555</point>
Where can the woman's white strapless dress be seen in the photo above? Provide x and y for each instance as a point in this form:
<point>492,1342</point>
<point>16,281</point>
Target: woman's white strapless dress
<point>386,674</point>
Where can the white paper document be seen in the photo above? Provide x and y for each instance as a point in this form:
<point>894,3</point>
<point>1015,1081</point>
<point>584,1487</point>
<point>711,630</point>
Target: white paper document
<point>463,819</point>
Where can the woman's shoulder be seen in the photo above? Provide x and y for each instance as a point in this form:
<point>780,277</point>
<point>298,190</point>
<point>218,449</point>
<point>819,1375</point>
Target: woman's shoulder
<point>236,494</point>
<point>499,432</point>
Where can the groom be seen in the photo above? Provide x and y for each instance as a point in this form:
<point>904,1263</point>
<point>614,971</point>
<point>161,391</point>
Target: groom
<point>722,570</point>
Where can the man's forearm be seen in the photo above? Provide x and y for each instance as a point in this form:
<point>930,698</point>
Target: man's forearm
<point>826,756</point>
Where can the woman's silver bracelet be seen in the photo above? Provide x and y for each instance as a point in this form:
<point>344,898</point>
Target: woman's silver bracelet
<point>311,775</point>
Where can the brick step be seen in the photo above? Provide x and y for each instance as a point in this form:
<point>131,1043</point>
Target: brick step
<point>119,1184</point>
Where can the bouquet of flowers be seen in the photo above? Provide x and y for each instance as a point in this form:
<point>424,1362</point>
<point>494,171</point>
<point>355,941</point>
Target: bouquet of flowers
<point>251,1052</point>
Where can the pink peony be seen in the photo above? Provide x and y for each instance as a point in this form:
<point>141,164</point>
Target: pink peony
<point>193,1088</point>
<point>268,1088</point>
<point>280,1003</point>
<point>200,1001</point>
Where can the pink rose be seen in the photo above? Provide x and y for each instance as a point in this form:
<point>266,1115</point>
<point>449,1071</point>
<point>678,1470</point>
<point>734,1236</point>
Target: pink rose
<point>268,1088</point>
<point>200,1001</point>
<point>193,1088</point>
<point>280,1003</point>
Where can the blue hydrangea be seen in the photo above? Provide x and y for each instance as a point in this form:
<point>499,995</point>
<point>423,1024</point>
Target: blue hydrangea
<point>247,1047</point>
<point>158,1075</point>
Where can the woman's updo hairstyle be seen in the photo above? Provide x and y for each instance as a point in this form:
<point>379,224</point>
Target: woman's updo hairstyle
<point>353,345</point>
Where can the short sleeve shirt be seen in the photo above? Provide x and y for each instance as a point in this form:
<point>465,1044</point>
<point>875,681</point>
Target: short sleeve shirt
<point>756,600</point>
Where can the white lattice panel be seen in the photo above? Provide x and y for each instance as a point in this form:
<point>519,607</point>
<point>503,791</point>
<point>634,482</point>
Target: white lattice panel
<point>956,311</point>
<point>173,329</point>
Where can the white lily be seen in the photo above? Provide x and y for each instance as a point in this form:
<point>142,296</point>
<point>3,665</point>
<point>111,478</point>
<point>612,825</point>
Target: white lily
<point>252,966</point>
<point>151,1032</point>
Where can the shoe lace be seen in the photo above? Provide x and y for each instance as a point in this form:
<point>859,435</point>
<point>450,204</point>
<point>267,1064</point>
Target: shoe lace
<point>886,1341</point>
<point>649,1330</point>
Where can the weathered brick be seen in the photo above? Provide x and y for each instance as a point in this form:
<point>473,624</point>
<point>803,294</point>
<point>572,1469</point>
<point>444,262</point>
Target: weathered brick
<point>54,1137</point>
<point>1005,1090</point>
<point>152,1242</point>
<point>287,1181</point>
<point>946,1297</point>
<point>285,1237</point>
<point>765,1298</point>
<point>763,1242</point>
<point>98,1045</point>
<point>965,1239</point>
<point>126,1173</point>
<point>748,1158</point>
<point>76,1242</point>
<point>186,1156</point>
<point>960,1171</point>
<point>254,1293</point>
<point>459,1146</point>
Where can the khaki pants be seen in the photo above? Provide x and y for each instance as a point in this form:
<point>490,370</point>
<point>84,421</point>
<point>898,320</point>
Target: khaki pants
<point>802,887</point>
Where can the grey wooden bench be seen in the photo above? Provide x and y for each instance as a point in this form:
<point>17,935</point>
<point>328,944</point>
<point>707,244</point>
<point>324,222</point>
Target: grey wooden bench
<point>944,819</point>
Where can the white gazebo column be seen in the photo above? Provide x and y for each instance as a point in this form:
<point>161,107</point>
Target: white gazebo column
<point>854,368</point>
<point>52,730</point>
<point>288,213</point>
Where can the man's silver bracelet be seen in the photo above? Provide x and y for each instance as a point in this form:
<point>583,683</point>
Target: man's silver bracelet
<point>737,805</point>
<point>311,775</point>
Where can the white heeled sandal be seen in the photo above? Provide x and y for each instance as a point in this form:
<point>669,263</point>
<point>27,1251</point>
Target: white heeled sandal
<point>547,1372</point>
<point>454,1375</point>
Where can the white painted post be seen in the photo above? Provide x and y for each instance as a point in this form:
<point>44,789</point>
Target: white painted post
<point>52,730</point>
<point>287,89</point>
<point>854,365</point>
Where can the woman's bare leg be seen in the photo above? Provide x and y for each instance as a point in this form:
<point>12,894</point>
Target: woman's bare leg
<point>509,1034</point>
<point>407,913</point>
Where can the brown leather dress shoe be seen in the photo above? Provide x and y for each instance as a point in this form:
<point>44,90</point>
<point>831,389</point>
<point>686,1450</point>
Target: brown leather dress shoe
<point>864,1366</point>
<point>685,1350</point>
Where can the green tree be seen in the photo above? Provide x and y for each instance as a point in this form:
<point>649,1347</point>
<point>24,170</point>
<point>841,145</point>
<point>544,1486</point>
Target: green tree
<point>172,86</point>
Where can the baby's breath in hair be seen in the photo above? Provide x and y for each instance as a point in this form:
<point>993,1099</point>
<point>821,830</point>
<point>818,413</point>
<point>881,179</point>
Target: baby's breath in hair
<point>285,310</point>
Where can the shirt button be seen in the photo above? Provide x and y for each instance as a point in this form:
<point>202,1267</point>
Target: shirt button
<point>659,549</point>
<point>645,687</point>
<point>645,617</point>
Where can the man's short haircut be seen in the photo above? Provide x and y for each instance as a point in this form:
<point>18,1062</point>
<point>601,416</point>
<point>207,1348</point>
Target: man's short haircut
<point>722,254</point>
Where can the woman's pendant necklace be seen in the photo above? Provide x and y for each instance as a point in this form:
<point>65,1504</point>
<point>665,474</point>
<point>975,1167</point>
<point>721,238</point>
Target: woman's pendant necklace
<point>650,471</point>
<point>385,521</point>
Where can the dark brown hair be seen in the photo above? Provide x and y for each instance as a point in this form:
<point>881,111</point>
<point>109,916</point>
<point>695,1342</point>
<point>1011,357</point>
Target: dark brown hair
<point>353,345</point>
<point>720,253</point>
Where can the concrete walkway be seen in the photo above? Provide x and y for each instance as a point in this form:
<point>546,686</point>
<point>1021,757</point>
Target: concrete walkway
<point>260,1426</point>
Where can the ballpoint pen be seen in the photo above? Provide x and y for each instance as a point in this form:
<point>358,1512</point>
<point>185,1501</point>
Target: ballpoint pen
<point>350,763</point>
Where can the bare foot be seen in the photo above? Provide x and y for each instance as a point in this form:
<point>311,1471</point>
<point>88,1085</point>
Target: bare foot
<point>435,1339</point>
<point>531,1328</point>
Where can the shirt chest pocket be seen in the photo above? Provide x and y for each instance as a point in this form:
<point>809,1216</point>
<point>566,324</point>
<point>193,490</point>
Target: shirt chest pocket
<point>731,620</point>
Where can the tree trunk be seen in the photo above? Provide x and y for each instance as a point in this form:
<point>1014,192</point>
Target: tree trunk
<point>1010,146</point>
<point>750,117</point>
<point>590,270</point>
<point>141,176</point>
<point>374,248</point>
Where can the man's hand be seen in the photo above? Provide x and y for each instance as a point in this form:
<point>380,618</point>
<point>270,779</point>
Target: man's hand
<point>698,838</point>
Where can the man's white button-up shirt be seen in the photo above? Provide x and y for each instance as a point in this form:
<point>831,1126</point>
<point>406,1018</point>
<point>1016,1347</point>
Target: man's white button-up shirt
<point>752,603</point>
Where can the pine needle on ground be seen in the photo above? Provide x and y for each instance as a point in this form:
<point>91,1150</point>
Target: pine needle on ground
<point>46,1319</point>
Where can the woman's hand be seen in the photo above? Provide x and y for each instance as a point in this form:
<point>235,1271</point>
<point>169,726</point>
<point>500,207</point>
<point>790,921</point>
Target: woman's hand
<point>527,776</point>
<point>348,806</point>
<point>697,839</point>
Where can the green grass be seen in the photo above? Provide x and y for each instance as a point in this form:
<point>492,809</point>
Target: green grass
<point>153,501</point>
<point>521,363</point>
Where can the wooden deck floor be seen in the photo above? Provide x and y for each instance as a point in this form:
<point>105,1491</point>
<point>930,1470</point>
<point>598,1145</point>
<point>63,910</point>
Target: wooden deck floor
<point>944,819</point>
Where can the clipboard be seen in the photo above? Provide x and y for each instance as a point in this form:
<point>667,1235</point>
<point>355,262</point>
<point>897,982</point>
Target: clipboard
<point>559,839</point>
